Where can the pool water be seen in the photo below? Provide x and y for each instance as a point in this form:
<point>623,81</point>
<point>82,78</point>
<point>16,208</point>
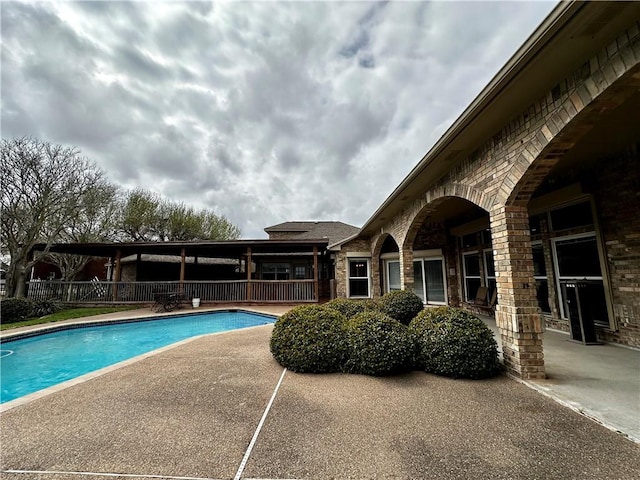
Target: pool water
<point>34,363</point>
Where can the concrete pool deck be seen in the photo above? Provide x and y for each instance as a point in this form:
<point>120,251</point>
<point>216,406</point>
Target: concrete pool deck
<point>192,411</point>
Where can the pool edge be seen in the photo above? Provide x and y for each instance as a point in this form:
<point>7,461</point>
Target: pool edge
<point>11,404</point>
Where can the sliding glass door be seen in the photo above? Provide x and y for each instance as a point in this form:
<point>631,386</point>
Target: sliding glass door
<point>428,279</point>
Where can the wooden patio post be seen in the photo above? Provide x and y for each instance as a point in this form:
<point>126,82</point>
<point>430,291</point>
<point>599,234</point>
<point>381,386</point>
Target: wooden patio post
<point>248,266</point>
<point>116,278</point>
<point>316,274</point>
<point>183,254</point>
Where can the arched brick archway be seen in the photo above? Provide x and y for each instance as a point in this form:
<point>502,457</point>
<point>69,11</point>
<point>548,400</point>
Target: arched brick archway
<point>378,243</point>
<point>517,314</point>
<point>434,199</point>
<point>573,120</point>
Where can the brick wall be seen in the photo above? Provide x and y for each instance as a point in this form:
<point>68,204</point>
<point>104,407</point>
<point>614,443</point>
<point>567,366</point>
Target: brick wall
<point>358,245</point>
<point>616,190</point>
<point>508,168</point>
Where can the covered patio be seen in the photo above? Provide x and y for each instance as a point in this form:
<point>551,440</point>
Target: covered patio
<point>239,271</point>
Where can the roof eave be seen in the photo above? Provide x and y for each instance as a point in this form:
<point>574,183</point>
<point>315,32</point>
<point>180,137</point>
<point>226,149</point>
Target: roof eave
<point>561,14</point>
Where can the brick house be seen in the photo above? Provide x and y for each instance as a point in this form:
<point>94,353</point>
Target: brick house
<point>529,205</point>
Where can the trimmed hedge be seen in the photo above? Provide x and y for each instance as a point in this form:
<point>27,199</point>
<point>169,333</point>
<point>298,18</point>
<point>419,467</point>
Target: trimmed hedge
<point>350,307</point>
<point>378,345</point>
<point>18,309</point>
<point>454,343</point>
<point>310,338</point>
<point>403,305</point>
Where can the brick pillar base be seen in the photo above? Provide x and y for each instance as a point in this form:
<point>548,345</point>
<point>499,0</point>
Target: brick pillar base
<point>517,313</point>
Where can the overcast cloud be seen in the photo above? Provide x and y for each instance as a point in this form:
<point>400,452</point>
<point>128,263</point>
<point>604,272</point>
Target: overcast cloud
<point>262,111</point>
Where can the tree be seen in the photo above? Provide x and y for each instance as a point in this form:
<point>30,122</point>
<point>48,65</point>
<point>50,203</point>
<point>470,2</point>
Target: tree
<point>149,217</point>
<point>45,189</point>
<point>140,215</point>
<point>96,221</point>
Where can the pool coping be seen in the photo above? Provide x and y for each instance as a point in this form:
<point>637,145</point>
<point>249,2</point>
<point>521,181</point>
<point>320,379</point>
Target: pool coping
<point>71,324</point>
<point>102,371</point>
<point>31,330</point>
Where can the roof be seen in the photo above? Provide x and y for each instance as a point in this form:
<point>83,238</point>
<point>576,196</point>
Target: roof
<point>178,259</point>
<point>332,231</point>
<point>212,249</point>
<point>570,35</point>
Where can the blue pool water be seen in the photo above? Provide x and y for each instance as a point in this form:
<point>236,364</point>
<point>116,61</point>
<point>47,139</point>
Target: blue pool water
<point>31,364</point>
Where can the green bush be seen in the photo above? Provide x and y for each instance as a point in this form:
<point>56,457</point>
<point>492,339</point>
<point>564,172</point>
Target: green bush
<point>349,307</point>
<point>454,343</point>
<point>310,338</point>
<point>18,309</point>
<point>378,345</point>
<point>402,305</point>
<point>44,307</point>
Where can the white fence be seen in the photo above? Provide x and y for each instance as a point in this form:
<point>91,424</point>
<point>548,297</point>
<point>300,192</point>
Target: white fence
<point>228,291</point>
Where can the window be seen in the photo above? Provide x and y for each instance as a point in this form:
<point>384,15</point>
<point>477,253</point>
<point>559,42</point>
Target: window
<point>577,259</point>
<point>428,277</point>
<point>434,280</point>
<point>300,272</point>
<point>359,278</point>
<point>470,240</point>
<point>418,280</point>
<point>428,280</point>
<point>393,275</point>
<point>540,274</point>
<point>490,274</point>
<point>471,271</point>
<point>276,271</point>
<point>573,216</point>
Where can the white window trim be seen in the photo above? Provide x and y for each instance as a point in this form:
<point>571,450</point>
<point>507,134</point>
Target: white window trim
<point>387,276</point>
<point>465,276</point>
<point>556,269</point>
<point>539,243</point>
<point>484,264</point>
<point>418,256</point>
<point>350,259</point>
<point>444,278</point>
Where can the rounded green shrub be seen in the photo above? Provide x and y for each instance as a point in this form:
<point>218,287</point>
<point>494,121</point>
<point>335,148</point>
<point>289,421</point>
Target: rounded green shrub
<point>350,307</point>
<point>378,345</point>
<point>403,305</point>
<point>16,309</point>
<point>310,338</point>
<point>454,343</point>
<point>347,306</point>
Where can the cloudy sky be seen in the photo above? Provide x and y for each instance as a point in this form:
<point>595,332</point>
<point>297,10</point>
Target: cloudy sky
<point>262,111</point>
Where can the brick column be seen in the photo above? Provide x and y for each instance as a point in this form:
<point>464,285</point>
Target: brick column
<point>406,268</point>
<point>517,313</point>
<point>376,290</point>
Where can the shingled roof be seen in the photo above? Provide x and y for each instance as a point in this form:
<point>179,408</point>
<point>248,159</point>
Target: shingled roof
<point>333,231</point>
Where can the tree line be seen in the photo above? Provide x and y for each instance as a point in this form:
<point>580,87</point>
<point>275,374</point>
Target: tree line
<point>52,194</point>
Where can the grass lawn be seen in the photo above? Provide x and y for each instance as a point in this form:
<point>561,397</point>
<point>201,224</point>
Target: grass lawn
<point>66,315</point>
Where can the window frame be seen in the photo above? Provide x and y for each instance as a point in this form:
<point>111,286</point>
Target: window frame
<point>539,243</point>
<point>465,276</point>
<point>421,256</point>
<point>367,261</point>
<point>559,279</point>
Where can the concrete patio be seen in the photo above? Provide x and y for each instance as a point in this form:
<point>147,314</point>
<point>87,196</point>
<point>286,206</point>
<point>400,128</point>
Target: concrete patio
<point>192,412</point>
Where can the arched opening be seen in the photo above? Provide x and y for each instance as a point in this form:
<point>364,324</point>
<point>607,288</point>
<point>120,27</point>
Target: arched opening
<point>582,203</point>
<point>452,256</point>
<point>388,265</point>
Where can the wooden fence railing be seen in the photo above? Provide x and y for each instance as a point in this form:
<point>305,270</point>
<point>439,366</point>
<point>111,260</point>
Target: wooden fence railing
<point>228,291</point>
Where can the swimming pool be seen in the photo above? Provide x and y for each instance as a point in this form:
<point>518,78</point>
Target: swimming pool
<point>30,364</point>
